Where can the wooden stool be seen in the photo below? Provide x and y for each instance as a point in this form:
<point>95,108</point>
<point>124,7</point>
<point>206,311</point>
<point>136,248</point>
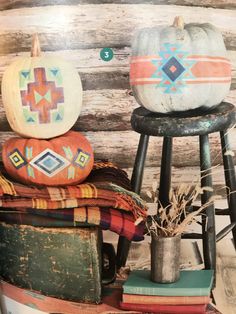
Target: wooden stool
<point>197,123</point>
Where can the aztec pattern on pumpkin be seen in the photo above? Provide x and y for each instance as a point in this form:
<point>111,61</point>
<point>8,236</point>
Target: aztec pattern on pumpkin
<point>173,69</point>
<point>64,160</point>
<point>179,67</point>
<point>42,95</point>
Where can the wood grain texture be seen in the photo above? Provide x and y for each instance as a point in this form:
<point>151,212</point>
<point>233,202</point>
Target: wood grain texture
<point>83,59</point>
<point>103,110</point>
<point>13,4</point>
<point>187,175</point>
<point>111,78</point>
<point>120,147</point>
<point>104,25</point>
<point>96,73</point>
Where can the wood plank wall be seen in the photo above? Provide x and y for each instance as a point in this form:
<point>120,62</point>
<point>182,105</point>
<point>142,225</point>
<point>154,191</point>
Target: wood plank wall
<point>77,30</point>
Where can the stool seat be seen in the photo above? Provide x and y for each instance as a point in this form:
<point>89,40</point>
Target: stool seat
<point>195,122</point>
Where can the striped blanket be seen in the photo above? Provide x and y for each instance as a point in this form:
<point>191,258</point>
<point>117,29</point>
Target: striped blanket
<point>112,219</point>
<point>95,202</point>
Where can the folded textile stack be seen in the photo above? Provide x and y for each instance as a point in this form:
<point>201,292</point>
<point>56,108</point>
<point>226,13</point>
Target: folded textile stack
<point>190,294</point>
<point>104,199</point>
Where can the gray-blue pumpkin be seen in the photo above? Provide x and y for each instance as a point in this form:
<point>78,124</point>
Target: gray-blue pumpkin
<point>179,67</point>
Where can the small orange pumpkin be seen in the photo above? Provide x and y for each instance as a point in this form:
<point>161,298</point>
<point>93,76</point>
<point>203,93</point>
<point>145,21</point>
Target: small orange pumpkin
<point>63,160</point>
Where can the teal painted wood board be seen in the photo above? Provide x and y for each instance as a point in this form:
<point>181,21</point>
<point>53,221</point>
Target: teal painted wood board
<point>58,262</point>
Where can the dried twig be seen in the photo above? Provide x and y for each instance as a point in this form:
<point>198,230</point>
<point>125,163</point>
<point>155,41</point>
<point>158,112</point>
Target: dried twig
<point>175,218</point>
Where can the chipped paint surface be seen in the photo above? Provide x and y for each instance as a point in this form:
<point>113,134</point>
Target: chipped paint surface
<point>60,262</point>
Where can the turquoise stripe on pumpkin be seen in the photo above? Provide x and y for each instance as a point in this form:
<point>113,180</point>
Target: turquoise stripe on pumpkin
<point>30,171</point>
<point>29,152</point>
<point>71,172</point>
<point>68,152</point>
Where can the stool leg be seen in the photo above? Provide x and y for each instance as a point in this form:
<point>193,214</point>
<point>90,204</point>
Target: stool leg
<point>208,219</point>
<point>230,179</point>
<point>137,174</point>
<point>165,175</point>
<point>136,183</point>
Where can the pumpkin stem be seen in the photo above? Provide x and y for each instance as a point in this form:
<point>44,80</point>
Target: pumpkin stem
<point>35,48</point>
<point>179,22</point>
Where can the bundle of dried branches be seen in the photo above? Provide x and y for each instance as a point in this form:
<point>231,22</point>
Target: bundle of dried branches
<point>174,219</point>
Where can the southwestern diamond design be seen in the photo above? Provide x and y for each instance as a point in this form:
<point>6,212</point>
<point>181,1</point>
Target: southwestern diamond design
<point>49,162</point>
<point>81,158</point>
<point>17,159</point>
<point>41,95</point>
<point>173,68</point>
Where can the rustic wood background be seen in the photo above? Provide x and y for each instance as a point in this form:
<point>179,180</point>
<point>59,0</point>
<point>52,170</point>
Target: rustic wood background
<point>77,30</point>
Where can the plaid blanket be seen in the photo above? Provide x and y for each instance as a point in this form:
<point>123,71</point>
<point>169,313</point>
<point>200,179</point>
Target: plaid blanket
<point>96,201</point>
<point>117,221</point>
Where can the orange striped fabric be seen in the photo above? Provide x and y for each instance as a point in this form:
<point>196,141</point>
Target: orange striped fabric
<point>104,194</point>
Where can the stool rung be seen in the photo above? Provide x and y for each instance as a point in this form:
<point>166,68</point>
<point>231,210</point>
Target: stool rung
<point>219,236</point>
<point>218,211</point>
<point>225,231</point>
<point>191,236</point>
<point>222,211</point>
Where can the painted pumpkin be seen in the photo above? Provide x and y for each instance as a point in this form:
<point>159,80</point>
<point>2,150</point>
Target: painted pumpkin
<point>64,160</point>
<point>42,95</point>
<point>179,67</point>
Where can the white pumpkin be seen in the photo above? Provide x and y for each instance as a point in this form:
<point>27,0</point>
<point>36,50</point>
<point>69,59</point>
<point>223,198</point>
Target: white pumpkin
<point>42,95</point>
<point>179,67</point>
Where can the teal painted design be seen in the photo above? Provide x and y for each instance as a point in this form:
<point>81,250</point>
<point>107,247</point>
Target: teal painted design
<point>24,78</point>
<point>30,171</point>
<point>35,295</point>
<point>68,152</point>
<point>55,74</point>
<point>173,68</point>
<point>42,95</point>
<point>30,117</point>
<point>28,152</point>
<point>71,172</point>
<point>49,162</point>
<point>32,305</point>
<point>38,97</point>
<point>58,115</point>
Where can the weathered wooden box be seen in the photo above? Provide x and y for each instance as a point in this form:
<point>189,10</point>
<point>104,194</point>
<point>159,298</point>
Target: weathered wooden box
<point>60,262</point>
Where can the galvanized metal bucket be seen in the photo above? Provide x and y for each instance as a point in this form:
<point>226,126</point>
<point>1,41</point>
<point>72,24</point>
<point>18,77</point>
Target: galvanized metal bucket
<point>165,259</point>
